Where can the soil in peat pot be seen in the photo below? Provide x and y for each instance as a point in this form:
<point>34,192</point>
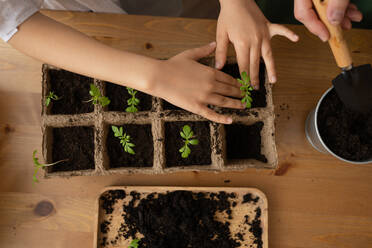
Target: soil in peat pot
<point>73,90</point>
<point>258,96</point>
<point>141,137</point>
<point>200,154</point>
<point>75,144</point>
<point>347,133</point>
<point>244,141</point>
<point>119,96</point>
<point>178,219</point>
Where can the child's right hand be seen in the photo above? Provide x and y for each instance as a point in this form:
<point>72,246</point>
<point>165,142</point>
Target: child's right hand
<point>184,82</point>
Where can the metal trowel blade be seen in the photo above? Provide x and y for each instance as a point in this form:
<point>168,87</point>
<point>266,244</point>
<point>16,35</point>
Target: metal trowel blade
<point>354,88</point>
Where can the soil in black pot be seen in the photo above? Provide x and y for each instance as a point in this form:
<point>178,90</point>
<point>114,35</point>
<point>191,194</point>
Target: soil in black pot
<point>141,136</point>
<point>200,154</point>
<point>73,89</point>
<point>179,219</point>
<point>119,96</point>
<point>244,142</point>
<point>258,96</point>
<point>347,133</point>
<point>75,144</point>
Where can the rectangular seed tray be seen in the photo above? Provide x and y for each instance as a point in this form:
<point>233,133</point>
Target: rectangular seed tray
<point>159,117</point>
<point>240,213</point>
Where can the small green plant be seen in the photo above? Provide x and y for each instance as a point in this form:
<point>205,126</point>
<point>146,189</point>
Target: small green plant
<point>246,89</point>
<point>133,101</point>
<point>37,165</point>
<point>124,139</point>
<point>51,96</point>
<point>97,96</point>
<point>134,243</point>
<point>188,138</point>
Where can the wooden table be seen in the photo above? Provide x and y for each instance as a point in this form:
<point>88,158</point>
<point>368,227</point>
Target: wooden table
<point>314,199</point>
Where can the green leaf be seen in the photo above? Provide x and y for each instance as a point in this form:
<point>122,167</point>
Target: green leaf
<point>183,135</point>
<point>182,149</point>
<point>47,101</point>
<point>121,131</point>
<point>248,104</point>
<point>136,101</point>
<point>104,101</point>
<point>245,77</point>
<point>130,150</point>
<point>94,91</point>
<point>186,130</point>
<point>194,142</point>
<point>134,243</point>
<point>131,145</point>
<point>116,131</point>
<point>186,152</point>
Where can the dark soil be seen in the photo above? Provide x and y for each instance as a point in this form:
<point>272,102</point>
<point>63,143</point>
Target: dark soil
<point>180,219</point>
<point>75,144</point>
<point>169,106</point>
<point>110,198</point>
<point>119,95</point>
<point>244,142</point>
<point>347,133</point>
<point>258,96</point>
<point>141,136</point>
<point>200,154</point>
<point>73,89</point>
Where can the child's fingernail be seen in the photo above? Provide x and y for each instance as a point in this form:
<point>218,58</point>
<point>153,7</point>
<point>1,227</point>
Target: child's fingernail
<point>323,38</point>
<point>296,37</point>
<point>218,65</point>
<point>273,79</point>
<point>229,120</point>
<point>336,17</point>
<point>213,43</point>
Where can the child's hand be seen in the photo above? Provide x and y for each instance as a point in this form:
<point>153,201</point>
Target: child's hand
<point>190,85</point>
<point>242,23</point>
<point>338,12</point>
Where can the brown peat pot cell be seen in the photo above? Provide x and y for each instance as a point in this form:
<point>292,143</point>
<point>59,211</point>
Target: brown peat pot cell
<point>74,144</point>
<point>200,153</point>
<point>141,137</point>
<point>180,217</point>
<point>72,89</point>
<point>158,153</point>
<point>119,96</point>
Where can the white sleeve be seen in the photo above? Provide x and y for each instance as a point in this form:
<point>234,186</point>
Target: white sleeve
<point>13,13</point>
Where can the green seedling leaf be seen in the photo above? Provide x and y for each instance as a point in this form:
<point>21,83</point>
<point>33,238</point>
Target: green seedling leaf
<point>51,96</point>
<point>134,243</point>
<point>38,165</point>
<point>246,89</point>
<point>124,139</point>
<point>132,102</point>
<point>187,137</point>
<point>97,97</point>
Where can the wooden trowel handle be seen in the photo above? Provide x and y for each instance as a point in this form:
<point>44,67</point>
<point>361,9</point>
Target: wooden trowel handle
<point>337,42</point>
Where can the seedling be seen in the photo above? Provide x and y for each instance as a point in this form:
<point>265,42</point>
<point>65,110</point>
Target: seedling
<point>124,139</point>
<point>246,89</point>
<point>134,243</point>
<point>97,96</point>
<point>51,96</point>
<point>37,165</point>
<point>133,101</point>
<point>187,135</point>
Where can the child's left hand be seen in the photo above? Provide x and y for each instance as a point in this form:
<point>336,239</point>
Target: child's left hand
<point>242,23</point>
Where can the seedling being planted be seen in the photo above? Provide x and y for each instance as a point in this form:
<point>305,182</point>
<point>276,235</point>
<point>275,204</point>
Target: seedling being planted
<point>97,96</point>
<point>134,243</point>
<point>132,102</point>
<point>246,89</point>
<point>124,139</point>
<point>188,138</point>
<point>51,96</point>
<point>37,165</point>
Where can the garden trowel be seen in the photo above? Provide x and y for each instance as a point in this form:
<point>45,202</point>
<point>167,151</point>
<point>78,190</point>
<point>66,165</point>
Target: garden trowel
<point>354,85</point>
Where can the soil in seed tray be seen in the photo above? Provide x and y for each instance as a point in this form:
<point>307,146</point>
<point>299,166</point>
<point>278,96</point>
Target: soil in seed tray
<point>76,145</point>
<point>73,89</point>
<point>244,141</point>
<point>177,219</point>
<point>200,154</point>
<point>258,96</point>
<point>169,106</point>
<point>119,96</point>
<point>141,137</point>
<point>347,133</point>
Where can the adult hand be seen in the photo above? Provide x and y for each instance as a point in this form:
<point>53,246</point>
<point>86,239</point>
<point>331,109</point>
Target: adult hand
<point>242,23</point>
<point>339,12</point>
<point>190,85</point>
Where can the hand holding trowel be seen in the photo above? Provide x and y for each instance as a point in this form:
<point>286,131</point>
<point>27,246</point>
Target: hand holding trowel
<point>354,84</point>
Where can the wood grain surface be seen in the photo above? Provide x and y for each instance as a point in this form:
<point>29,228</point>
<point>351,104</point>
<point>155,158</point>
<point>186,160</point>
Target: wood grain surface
<point>315,201</point>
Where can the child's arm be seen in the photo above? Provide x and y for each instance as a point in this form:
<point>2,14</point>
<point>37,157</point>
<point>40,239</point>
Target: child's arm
<point>179,80</point>
<point>242,23</point>
<point>338,12</point>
